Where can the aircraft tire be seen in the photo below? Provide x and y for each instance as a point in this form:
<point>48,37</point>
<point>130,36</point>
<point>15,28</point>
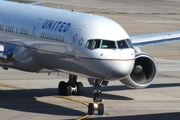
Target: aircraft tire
<point>68,90</point>
<point>62,88</point>
<point>80,88</point>
<point>91,109</point>
<point>100,109</point>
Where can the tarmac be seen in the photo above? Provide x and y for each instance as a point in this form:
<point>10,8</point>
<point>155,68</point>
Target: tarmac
<point>34,96</point>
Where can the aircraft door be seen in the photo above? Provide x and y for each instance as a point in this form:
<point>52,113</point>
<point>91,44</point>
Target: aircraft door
<point>76,35</point>
<point>35,29</point>
<point>78,38</point>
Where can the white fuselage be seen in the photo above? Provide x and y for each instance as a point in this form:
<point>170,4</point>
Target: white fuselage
<point>44,39</point>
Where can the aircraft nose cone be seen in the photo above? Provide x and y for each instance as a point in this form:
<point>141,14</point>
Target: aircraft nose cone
<point>125,63</point>
<point>117,69</point>
<point>122,68</point>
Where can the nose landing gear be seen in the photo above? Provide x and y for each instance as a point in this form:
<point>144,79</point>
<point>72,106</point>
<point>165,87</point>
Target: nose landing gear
<point>97,105</point>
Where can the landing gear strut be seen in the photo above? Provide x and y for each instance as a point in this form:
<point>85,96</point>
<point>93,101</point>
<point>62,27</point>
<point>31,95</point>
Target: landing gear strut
<point>71,87</point>
<point>97,105</point>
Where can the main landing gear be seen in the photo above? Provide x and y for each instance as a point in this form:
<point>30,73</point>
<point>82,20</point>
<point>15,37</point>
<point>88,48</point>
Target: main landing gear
<point>97,105</point>
<point>71,87</point>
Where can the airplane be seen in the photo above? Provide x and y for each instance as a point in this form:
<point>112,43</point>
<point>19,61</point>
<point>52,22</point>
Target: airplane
<point>41,39</point>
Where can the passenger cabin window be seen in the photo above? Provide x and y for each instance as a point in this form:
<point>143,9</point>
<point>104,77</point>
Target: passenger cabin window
<point>1,26</point>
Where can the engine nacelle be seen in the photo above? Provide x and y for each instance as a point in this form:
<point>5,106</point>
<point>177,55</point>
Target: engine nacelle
<point>144,72</point>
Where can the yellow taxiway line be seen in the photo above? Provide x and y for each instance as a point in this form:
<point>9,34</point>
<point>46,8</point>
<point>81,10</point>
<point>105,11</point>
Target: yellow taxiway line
<point>11,86</point>
<point>78,101</point>
<point>62,97</point>
<point>83,117</point>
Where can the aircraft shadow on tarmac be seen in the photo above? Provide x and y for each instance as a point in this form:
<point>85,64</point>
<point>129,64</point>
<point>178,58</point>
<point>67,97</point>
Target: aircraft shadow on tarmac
<point>89,93</point>
<point>160,116</point>
<point>25,100</point>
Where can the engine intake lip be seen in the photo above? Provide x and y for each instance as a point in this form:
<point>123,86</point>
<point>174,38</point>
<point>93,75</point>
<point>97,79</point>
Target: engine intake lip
<point>149,72</point>
<point>145,74</point>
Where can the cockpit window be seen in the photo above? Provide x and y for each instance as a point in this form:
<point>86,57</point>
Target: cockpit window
<point>96,44</point>
<point>129,42</point>
<point>93,44</point>
<point>89,44</point>
<point>122,44</point>
<point>108,44</point>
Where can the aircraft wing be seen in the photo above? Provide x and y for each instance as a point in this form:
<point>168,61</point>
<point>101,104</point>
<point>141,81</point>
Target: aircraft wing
<point>32,3</point>
<point>37,3</point>
<point>156,38</point>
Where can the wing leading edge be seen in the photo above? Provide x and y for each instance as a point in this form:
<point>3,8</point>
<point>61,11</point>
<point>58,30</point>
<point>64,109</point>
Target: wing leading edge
<point>37,3</point>
<point>32,3</point>
<point>156,38</point>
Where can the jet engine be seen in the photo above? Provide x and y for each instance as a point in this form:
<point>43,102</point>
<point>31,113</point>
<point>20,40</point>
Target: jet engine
<point>143,73</point>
